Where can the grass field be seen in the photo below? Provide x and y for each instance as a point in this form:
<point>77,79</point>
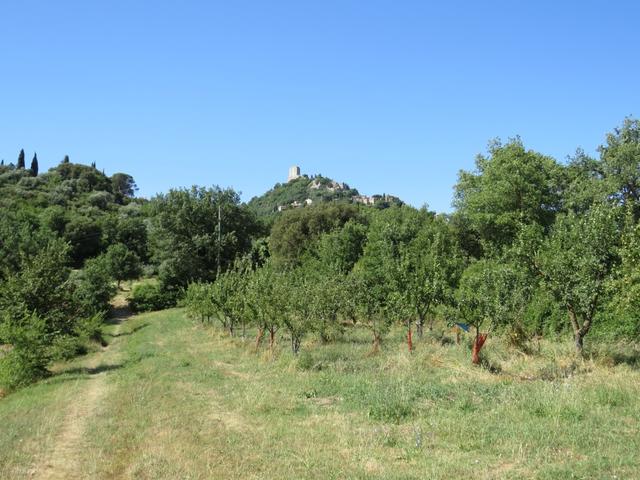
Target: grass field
<point>170,399</point>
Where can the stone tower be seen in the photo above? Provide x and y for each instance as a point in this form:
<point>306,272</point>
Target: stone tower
<point>294,172</point>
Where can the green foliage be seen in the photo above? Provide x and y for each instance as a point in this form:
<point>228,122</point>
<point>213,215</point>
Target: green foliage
<point>94,286</point>
<point>431,264</point>
<point>620,159</point>
<point>185,238</point>
<point>318,189</point>
<point>27,360</point>
<point>34,165</point>
<point>576,261</point>
<point>122,263</point>
<point>623,289</point>
<point>491,293</point>
<point>45,314</point>
<point>147,297</point>
<point>20,164</point>
<point>512,186</point>
<point>294,232</point>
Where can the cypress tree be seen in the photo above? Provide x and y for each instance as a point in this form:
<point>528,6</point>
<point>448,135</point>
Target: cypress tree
<point>66,159</point>
<point>21,159</point>
<point>34,165</point>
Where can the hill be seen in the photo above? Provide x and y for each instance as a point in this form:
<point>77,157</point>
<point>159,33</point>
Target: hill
<point>308,190</point>
<point>75,202</point>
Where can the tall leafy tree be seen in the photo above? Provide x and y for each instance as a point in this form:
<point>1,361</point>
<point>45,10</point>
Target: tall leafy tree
<point>124,186</point>
<point>189,240</point>
<point>295,232</point>
<point>430,266</point>
<point>576,262</point>
<point>122,263</point>
<point>491,293</point>
<point>510,187</point>
<point>620,163</point>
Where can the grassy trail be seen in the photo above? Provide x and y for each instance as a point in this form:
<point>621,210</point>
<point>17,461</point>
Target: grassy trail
<point>170,399</point>
<point>70,444</point>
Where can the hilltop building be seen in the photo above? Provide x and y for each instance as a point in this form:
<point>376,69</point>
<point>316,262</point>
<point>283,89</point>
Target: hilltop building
<point>294,172</point>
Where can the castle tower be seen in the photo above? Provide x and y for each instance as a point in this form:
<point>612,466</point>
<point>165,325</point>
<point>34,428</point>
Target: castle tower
<point>294,172</point>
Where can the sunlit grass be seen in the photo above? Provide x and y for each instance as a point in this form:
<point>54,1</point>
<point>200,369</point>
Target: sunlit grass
<point>189,402</point>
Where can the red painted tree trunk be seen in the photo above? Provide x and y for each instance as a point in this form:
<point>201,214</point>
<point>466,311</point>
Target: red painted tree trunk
<point>477,346</point>
<point>410,339</point>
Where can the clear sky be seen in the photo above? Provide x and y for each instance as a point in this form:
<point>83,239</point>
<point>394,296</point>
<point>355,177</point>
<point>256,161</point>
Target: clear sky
<point>388,96</point>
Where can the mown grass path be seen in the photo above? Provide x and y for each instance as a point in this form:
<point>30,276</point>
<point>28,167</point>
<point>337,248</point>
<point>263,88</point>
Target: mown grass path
<point>63,460</point>
<point>171,399</point>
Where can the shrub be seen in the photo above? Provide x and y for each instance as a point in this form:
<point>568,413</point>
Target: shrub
<point>148,297</point>
<point>29,355</point>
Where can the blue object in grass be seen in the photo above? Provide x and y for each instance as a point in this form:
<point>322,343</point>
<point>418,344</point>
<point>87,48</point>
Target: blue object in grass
<point>463,326</point>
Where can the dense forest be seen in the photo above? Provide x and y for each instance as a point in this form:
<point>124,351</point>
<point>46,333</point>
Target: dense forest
<point>534,248</point>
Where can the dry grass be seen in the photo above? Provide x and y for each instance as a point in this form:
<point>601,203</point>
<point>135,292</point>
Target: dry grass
<point>189,402</point>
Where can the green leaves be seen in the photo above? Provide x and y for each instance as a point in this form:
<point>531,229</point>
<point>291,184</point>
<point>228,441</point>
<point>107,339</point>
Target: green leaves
<point>510,187</point>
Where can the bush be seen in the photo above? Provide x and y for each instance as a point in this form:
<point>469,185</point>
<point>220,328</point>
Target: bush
<point>27,359</point>
<point>148,297</point>
<point>94,286</point>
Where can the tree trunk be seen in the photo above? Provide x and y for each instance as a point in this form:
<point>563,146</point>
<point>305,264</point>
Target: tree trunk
<point>272,339</point>
<point>410,339</point>
<point>259,337</point>
<point>295,344</point>
<point>579,342</point>
<point>579,331</point>
<point>376,343</point>
<point>420,326</point>
<point>477,346</point>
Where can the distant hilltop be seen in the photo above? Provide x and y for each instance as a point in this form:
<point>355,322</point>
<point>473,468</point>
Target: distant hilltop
<point>302,190</point>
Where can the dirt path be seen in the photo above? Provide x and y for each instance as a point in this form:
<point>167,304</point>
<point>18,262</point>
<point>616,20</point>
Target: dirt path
<point>63,460</point>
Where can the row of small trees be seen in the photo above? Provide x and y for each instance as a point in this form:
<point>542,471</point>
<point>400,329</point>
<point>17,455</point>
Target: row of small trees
<point>409,269</point>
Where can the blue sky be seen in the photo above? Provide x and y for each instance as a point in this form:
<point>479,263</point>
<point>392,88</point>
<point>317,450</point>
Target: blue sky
<point>388,96</point>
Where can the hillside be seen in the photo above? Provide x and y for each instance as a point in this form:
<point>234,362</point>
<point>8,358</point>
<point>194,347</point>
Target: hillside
<point>171,399</point>
<point>306,190</point>
<point>77,203</point>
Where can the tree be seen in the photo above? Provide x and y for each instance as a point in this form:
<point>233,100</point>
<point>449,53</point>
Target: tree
<point>123,185</point>
<point>620,163</point>
<point>340,249</point>
<point>510,187</point>
<point>575,262</point>
<point>294,287</point>
<point>293,233</point>
<point>490,293</point>
<point>430,267</point>
<point>122,263</point>
<point>185,237</point>
<point>84,234</point>
<point>38,314</point>
<point>20,160</point>
<point>624,287</point>
<point>198,301</point>
<point>34,165</point>
<point>263,294</point>
<point>93,286</point>
<point>65,159</point>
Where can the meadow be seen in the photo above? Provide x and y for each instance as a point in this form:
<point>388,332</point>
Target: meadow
<point>171,398</point>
